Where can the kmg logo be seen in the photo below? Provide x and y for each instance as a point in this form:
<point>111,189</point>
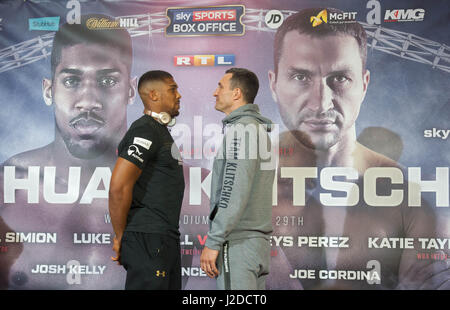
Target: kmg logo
<point>401,15</point>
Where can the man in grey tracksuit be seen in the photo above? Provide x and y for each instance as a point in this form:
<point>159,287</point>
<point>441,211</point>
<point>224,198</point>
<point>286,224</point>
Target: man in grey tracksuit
<point>241,189</point>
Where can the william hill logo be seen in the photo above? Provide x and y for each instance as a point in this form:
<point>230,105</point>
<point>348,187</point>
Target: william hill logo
<point>96,23</point>
<point>333,18</point>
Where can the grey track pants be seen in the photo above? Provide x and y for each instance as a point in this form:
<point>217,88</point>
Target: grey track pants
<point>244,264</point>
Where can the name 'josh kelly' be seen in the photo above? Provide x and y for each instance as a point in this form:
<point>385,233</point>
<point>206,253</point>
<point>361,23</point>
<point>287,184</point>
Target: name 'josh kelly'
<point>73,269</point>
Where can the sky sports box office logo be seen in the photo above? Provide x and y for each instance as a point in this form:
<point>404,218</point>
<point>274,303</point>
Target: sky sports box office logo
<point>206,21</point>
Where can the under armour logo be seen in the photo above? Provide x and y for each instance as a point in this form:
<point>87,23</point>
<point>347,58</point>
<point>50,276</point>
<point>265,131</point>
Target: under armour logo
<point>321,17</point>
<point>160,273</point>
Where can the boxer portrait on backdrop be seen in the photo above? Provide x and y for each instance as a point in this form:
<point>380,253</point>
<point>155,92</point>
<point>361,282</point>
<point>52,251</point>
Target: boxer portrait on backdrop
<point>89,90</point>
<point>319,82</point>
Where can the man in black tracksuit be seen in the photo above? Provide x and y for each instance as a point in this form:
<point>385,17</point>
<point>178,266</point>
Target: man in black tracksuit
<point>146,191</point>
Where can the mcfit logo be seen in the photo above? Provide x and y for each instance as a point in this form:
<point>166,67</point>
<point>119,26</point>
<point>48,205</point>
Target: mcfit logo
<point>320,18</point>
<point>333,18</point>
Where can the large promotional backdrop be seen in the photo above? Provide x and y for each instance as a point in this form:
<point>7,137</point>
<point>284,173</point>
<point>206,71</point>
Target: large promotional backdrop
<point>55,230</point>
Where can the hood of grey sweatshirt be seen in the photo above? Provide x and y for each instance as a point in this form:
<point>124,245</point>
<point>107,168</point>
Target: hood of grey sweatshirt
<point>250,110</point>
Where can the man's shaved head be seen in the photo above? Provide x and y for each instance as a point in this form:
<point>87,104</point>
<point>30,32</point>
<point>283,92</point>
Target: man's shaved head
<point>149,78</point>
<point>159,92</point>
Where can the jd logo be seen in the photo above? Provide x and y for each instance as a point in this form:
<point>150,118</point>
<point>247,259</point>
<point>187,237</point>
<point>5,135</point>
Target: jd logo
<point>274,19</point>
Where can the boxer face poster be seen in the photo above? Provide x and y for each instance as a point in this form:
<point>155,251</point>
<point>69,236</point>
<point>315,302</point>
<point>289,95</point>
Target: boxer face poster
<point>358,91</point>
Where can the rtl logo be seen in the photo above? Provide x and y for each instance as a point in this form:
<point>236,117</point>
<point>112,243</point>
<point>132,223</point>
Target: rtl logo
<point>204,60</point>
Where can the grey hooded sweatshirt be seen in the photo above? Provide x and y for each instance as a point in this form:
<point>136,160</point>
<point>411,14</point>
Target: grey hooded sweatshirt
<point>242,180</point>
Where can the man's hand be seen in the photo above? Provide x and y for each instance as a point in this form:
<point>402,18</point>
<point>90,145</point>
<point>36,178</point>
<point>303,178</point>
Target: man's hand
<point>116,248</point>
<point>208,262</point>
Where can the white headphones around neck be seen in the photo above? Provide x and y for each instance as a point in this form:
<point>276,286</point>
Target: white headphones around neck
<point>163,118</point>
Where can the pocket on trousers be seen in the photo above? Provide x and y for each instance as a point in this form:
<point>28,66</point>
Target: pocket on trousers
<point>154,244</point>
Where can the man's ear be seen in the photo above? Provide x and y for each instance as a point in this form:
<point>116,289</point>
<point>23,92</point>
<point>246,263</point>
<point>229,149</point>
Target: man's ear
<point>272,82</point>
<point>237,93</point>
<point>47,91</point>
<point>132,90</point>
<point>154,94</point>
<point>366,80</point>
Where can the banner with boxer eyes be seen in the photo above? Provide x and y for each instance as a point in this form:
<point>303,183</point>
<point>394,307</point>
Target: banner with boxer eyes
<point>358,93</point>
